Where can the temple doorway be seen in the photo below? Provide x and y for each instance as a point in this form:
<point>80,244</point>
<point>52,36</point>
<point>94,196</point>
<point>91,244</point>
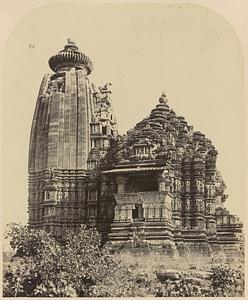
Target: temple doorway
<point>137,212</point>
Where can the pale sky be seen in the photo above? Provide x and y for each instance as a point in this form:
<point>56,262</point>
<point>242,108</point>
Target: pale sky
<point>188,51</point>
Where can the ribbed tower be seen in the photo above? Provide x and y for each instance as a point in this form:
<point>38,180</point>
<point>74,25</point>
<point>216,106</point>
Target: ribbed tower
<point>60,142</point>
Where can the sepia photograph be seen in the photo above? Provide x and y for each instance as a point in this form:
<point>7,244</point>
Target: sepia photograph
<point>123,148</point>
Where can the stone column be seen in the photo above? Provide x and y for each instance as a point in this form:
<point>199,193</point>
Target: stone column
<point>157,212</point>
<point>122,212</point>
<point>121,182</point>
<point>164,211</point>
<point>145,210</point>
<point>177,201</point>
<point>163,181</point>
<point>198,220</point>
<point>210,197</point>
<point>150,211</point>
<point>117,213</point>
<point>104,185</point>
<point>161,185</point>
<point>129,211</point>
<point>186,167</point>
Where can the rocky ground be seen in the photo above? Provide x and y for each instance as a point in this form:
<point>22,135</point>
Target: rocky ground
<point>187,276</point>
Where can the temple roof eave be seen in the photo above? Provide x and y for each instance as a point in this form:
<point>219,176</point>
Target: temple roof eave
<point>134,169</point>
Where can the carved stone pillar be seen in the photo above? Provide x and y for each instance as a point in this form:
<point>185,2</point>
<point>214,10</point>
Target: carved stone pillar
<point>186,167</point>
<point>157,210</point>
<point>198,217</point>
<point>117,213</point>
<point>163,181</point>
<point>210,194</point>
<point>177,201</point>
<point>121,182</point>
<point>145,210</point>
<point>161,185</point>
<point>129,211</point>
<point>150,211</point>
<point>122,213</point>
<point>164,211</point>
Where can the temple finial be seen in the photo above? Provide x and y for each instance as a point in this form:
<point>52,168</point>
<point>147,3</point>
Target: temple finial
<point>163,98</point>
<point>70,41</point>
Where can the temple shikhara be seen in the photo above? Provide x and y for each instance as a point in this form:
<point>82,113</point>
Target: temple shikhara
<point>155,187</point>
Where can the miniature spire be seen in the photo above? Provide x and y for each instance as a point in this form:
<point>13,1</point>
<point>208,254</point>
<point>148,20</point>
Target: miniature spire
<point>107,88</point>
<point>95,89</point>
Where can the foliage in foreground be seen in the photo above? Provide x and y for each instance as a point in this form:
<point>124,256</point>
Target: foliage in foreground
<point>79,267</point>
<point>226,281</point>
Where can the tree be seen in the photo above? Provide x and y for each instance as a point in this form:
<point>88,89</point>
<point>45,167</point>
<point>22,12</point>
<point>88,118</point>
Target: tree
<point>78,266</point>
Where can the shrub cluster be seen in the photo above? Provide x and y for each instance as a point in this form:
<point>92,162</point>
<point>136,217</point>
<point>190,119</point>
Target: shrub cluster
<point>44,267</point>
<point>226,281</point>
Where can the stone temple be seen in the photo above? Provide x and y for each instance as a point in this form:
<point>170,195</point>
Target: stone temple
<point>156,187</point>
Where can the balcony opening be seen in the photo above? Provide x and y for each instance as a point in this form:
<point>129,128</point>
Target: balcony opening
<point>141,184</point>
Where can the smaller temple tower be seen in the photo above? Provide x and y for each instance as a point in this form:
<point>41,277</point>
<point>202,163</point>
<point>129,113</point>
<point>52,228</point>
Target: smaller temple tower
<point>103,124</point>
<point>168,188</point>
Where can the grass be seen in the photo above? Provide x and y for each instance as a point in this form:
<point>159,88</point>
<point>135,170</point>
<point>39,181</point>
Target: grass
<point>152,262</point>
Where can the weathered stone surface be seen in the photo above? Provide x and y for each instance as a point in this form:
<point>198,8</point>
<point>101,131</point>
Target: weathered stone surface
<point>168,275</point>
<point>156,187</point>
<point>196,281</point>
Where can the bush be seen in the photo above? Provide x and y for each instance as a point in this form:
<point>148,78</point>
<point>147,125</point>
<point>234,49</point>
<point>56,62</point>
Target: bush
<point>226,281</point>
<point>180,288</point>
<point>43,267</point>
